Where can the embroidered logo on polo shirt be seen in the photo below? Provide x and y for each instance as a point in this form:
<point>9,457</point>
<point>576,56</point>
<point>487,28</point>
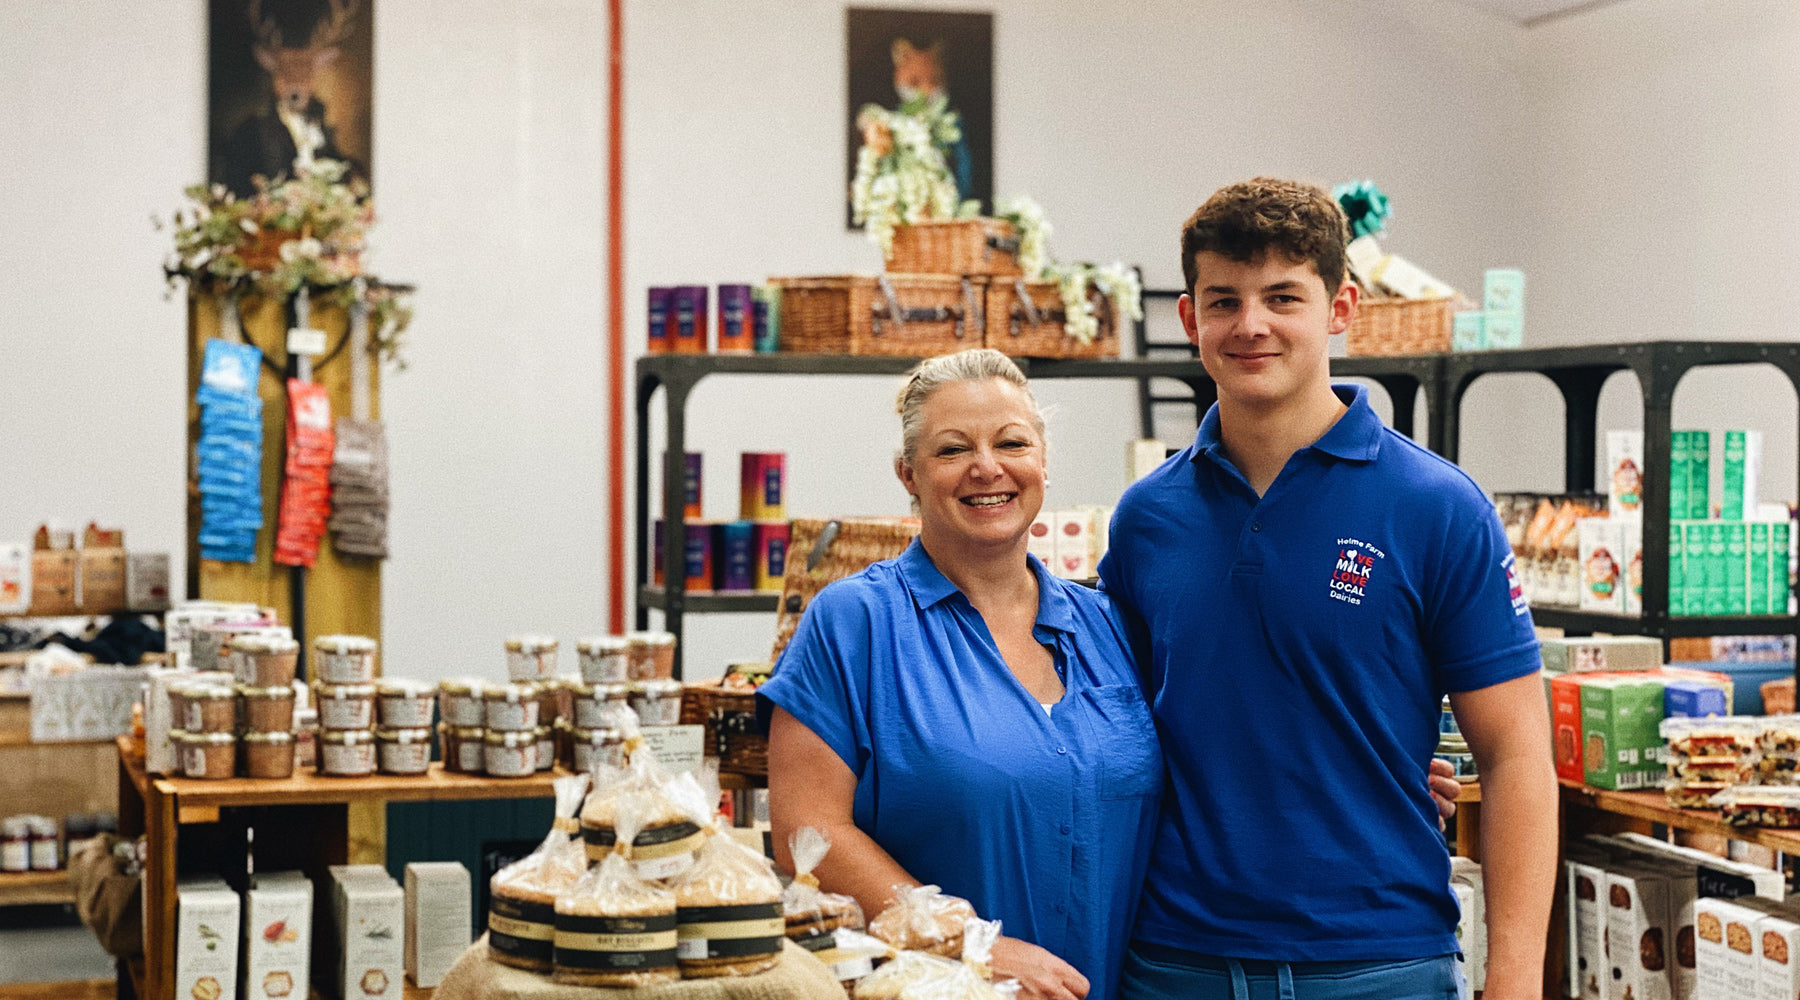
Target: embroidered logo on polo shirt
<point>1356,561</point>
<point>1514,588</point>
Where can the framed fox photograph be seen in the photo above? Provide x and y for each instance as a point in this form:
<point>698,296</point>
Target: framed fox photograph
<point>289,79</point>
<point>906,59</point>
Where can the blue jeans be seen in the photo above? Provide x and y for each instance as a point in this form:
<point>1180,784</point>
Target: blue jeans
<point>1151,973</point>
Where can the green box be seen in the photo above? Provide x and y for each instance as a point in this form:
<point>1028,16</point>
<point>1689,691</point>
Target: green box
<point>1503,290</point>
<point>1699,475</point>
<point>1622,748</point>
<point>1693,548</point>
<point>1756,564</point>
<point>1740,484</point>
<point>1737,574</point>
<point>1713,597</point>
<point>1779,589</point>
<point>1680,459</point>
<point>1677,570</point>
<point>1468,331</point>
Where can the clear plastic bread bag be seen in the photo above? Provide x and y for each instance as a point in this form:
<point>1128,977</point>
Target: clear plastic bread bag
<point>908,974</point>
<point>613,928</point>
<point>676,811</point>
<point>923,918</point>
<point>811,914</point>
<point>522,896</point>
<point>728,910</point>
<point>851,954</point>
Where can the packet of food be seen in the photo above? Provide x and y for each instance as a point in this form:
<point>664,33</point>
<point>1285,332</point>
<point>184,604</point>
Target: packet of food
<point>676,812</point>
<point>923,918</point>
<point>811,914</point>
<point>908,974</point>
<point>612,927</point>
<point>850,954</point>
<point>728,911</point>
<point>522,896</point>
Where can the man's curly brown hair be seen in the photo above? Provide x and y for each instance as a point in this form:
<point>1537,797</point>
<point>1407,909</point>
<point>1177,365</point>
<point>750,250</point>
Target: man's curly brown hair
<point>1244,221</point>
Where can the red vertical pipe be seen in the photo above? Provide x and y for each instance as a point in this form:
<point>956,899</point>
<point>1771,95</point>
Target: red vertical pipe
<point>615,314</point>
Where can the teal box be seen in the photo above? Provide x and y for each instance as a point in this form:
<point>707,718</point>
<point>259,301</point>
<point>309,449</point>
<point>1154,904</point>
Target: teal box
<point>1469,331</point>
<point>1699,477</point>
<point>1757,601</point>
<point>1779,584</point>
<point>1713,597</point>
<point>1693,580</point>
<point>1677,570</point>
<point>1680,465</point>
<point>1736,571</point>
<point>1503,331</point>
<point>1503,291</point>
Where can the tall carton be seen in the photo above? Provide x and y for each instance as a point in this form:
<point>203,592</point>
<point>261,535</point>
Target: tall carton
<point>1695,582</point>
<point>1625,472</point>
<point>1699,477</point>
<point>1740,475</point>
<point>1601,555</point>
<point>1757,565</point>
<point>206,940</point>
<point>1781,567</point>
<point>1716,582</point>
<point>278,936</point>
<point>1680,463</point>
<point>1736,568</point>
<point>1677,570</point>
<point>1637,933</point>
<point>1565,721</point>
<point>1587,922</point>
<point>1778,956</point>
<point>437,919</point>
<point>374,959</point>
<point>1631,543</point>
<point>1621,746</point>
<point>1725,948</point>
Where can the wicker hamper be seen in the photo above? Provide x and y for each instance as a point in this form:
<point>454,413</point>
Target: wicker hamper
<point>729,716</point>
<point>1025,320</point>
<point>1400,326</point>
<point>908,315</point>
<point>956,246</point>
<point>820,552</point>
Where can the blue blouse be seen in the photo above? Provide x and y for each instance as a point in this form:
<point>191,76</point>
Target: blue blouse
<point>1041,819</point>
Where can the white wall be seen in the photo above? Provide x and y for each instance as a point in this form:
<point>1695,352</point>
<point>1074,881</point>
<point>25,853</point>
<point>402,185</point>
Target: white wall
<point>1542,147</point>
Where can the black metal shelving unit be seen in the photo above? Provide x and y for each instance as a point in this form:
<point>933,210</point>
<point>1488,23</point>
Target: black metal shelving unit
<point>676,375</point>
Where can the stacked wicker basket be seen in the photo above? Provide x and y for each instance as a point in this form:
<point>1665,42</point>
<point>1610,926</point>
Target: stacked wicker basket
<point>949,285</point>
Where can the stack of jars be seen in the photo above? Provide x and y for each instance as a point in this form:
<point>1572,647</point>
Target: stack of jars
<point>265,665</point>
<point>29,843</point>
<point>520,716</point>
<point>650,663</point>
<point>344,691</point>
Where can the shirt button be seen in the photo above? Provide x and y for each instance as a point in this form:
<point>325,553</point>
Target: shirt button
<point>1061,908</point>
<point>1065,828</point>
<point>1256,526</point>
<point>1062,749</point>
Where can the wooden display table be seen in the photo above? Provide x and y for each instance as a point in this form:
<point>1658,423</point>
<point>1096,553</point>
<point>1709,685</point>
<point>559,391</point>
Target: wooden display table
<point>297,823</point>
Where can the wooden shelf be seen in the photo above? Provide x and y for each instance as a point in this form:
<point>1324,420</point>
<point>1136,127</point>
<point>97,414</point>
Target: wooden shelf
<point>1653,807</point>
<point>436,785</point>
<point>35,888</point>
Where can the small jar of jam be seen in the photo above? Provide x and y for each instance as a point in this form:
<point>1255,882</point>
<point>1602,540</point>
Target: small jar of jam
<point>268,755</point>
<point>347,753</point>
<point>403,751</point>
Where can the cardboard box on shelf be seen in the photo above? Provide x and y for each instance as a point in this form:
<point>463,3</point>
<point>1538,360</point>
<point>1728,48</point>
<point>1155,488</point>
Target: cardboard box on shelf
<point>147,581</point>
<point>1621,747</point>
<point>1624,472</point>
<point>53,576</point>
<point>1741,474</point>
<point>1637,933</point>
<point>1778,956</point>
<point>1581,654</point>
<point>373,957</point>
<point>1602,559</point>
<point>1725,947</point>
<point>438,903</point>
<point>278,936</point>
<point>206,939</point>
<point>1587,929</point>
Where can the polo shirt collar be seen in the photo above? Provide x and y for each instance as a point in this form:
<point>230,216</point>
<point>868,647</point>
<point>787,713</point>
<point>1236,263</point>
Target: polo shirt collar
<point>928,586</point>
<point>1356,436</point>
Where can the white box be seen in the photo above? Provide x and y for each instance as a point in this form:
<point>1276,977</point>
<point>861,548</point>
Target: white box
<point>147,581</point>
<point>1624,472</point>
<point>1637,933</point>
<point>1040,540</point>
<point>1587,922</point>
<point>1631,545</point>
<point>278,937</point>
<point>15,579</point>
<point>1715,876</point>
<point>1679,943</point>
<point>159,718</point>
<point>1075,557</point>
<point>1601,556</point>
<point>1725,947</point>
<point>438,911</point>
<point>372,961</point>
<point>1778,956</point>
<point>1144,456</point>
<point>206,936</point>
<point>1465,874</point>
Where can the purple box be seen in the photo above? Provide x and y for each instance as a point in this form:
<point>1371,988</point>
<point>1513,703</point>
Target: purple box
<point>734,559</point>
<point>690,319</point>
<point>659,319</point>
<point>737,335</point>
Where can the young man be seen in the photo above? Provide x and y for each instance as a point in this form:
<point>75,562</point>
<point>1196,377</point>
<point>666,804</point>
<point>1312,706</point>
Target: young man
<point>1311,584</point>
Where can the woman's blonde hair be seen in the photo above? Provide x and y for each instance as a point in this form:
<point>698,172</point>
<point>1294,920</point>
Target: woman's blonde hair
<point>974,365</point>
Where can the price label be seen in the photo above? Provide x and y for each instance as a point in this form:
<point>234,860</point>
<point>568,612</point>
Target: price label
<point>679,748</point>
<point>302,340</point>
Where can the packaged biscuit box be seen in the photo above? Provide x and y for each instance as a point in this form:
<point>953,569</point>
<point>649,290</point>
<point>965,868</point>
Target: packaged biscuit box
<point>1621,747</point>
<point>1637,932</point>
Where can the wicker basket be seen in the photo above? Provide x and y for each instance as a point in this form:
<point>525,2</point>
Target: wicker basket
<point>1025,320</point>
<point>956,246</point>
<point>1400,326</point>
<point>909,315</point>
<point>730,721</point>
<point>820,552</point>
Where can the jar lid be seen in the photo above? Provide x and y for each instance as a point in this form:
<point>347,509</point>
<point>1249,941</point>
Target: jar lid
<point>42,826</point>
<point>404,687</point>
<point>530,644</point>
<point>15,827</point>
<point>602,644</point>
<point>543,732</point>
<point>547,685</point>
<point>345,690</point>
<point>342,644</point>
<point>254,643</point>
<point>617,691</point>
<point>509,692</point>
<point>657,688</point>
<point>348,737</point>
<point>277,692</point>
<point>207,692</point>
<point>1449,743</point>
<point>469,732</point>
<point>216,739</point>
<point>510,738</point>
<point>598,735</point>
<point>463,685</point>
<point>651,638</point>
<point>403,735</point>
<point>272,739</point>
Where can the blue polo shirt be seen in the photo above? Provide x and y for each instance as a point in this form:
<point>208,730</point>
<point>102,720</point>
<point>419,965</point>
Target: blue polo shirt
<point>1041,819</point>
<point>1300,645</point>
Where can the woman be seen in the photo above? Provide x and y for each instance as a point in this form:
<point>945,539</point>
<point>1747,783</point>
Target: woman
<point>958,716</point>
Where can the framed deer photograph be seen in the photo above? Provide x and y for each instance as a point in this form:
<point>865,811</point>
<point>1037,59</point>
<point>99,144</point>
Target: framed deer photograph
<point>290,80</point>
<point>936,66</point>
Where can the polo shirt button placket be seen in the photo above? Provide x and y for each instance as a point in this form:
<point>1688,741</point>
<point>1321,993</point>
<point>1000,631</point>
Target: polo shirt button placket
<point>1255,527</point>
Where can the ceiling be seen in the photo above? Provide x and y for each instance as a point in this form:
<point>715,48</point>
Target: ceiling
<point>1528,12</point>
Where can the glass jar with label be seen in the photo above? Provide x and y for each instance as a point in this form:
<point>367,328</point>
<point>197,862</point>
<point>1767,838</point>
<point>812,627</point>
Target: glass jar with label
<point>346,706</point>
<point>267,710</point>
<point>268,754</point>
<point>460,702</point>
<point>603,659</point>
<point>208,755</point>
<point>15,845</point>
<point>657,703</point>
<point>464,748</point>
<point>511,707</point>
<point>347,753</point>
<point>344,659</point>
<point>404,703</point>
<point>510,753</point>
<point>46,847</point>
<point>598,705</point>
<point>211,708</point>
<point>546,749</point>
<point>598,746</point>
<point>650,656</point>
<point>530,657</point>
<point>403,751</point>
<point>266,660</point>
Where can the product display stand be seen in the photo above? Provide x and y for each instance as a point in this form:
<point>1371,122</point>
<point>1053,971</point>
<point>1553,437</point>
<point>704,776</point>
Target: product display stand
<point>677,375</point>
<point>304,822</point>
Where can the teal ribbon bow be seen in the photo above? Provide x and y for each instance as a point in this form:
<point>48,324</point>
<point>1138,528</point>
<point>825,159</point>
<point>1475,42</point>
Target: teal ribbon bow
<point>1365,206</point>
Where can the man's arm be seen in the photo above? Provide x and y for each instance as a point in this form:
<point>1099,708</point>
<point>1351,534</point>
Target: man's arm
<point>1508,730</point>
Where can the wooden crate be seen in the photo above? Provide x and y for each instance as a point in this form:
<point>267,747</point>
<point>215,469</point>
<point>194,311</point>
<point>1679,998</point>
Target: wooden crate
<point>1025,320</point>
<point>53,581</point>
<point>956,246</point>
<point>908,315</point>
<point>1400,326</point>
